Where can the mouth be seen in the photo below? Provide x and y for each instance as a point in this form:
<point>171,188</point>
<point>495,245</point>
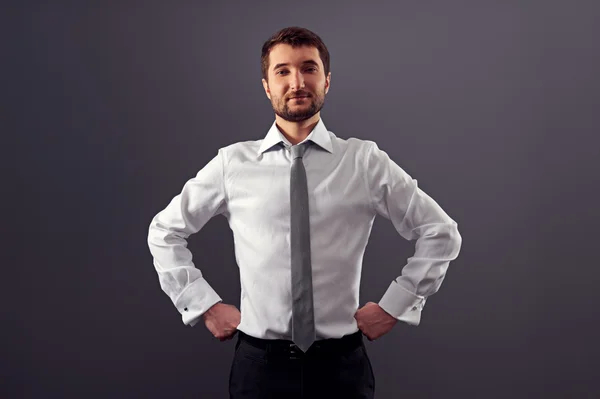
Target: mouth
<point>299,98</point>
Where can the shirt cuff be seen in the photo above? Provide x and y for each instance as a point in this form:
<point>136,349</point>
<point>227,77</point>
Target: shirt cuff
<point>402,304</point>
<point>195,300</point>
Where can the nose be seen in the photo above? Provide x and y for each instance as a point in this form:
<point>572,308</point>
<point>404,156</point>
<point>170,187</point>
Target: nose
<point>297,81</point>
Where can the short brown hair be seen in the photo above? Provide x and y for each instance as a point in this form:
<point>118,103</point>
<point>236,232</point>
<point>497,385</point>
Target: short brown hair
<point>295,36</point>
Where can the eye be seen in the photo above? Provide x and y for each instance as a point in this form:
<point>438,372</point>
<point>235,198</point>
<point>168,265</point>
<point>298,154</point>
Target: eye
<point>284,70</point>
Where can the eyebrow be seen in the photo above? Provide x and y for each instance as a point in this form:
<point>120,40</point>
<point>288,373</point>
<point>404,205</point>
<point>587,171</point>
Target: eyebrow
<point>312,62</point>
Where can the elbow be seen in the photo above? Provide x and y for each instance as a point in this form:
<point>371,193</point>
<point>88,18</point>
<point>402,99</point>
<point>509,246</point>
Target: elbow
<point>455,239</point>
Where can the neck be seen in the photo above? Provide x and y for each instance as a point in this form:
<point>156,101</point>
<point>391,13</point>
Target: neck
<point>295,132</point>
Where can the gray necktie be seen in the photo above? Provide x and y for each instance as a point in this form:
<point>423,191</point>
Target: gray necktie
<point>303,321</point>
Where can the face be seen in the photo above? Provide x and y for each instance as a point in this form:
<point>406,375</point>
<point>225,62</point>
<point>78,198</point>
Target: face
<point>302,76</point>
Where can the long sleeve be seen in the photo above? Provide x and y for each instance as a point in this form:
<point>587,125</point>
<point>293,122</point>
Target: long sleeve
<point>201,198</point>
<point>396,196</point>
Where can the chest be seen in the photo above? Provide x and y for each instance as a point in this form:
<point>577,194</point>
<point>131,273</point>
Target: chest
<point>260,192</point>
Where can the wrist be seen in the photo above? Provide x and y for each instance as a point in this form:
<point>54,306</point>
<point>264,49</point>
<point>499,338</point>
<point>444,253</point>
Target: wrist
<point>210,311</point>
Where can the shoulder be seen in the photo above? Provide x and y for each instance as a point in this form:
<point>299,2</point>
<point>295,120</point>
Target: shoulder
<point>240,146</point>
<point>239,150</point>
<point>354,145</point>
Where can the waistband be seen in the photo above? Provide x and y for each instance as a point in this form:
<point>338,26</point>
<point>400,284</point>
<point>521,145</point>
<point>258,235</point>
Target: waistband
<point>329,345</point>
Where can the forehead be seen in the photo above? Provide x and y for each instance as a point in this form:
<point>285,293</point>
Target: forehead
<point>285,53</point>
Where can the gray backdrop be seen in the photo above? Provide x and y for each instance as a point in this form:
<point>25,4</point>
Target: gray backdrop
<point>108,109</point>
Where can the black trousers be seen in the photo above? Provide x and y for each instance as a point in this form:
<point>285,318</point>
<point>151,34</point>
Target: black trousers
<point>277,369</point>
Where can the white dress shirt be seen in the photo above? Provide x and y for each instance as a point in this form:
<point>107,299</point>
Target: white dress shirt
<point>350,181</point>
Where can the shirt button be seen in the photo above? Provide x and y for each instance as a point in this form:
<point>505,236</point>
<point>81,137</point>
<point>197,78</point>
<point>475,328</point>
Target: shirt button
<point>414,308</point>
<point>185,309</point>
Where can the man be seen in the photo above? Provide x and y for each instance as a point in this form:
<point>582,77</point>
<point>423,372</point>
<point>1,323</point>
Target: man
<point>301,204</point>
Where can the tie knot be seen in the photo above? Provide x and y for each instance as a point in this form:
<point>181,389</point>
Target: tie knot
<point>298,150</point>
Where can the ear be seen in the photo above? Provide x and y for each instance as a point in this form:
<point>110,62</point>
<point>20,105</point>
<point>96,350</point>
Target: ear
<point>327,83</point>
<point>266,87</point>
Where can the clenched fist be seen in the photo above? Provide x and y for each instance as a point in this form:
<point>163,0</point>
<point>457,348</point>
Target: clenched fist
<point>222,320</point>
<point>373,321</point>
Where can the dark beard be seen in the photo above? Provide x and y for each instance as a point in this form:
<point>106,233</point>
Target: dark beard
<point>298,116</point>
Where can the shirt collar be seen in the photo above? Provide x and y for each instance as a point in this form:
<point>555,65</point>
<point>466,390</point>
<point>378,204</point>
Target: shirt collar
<point>319,135</point>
